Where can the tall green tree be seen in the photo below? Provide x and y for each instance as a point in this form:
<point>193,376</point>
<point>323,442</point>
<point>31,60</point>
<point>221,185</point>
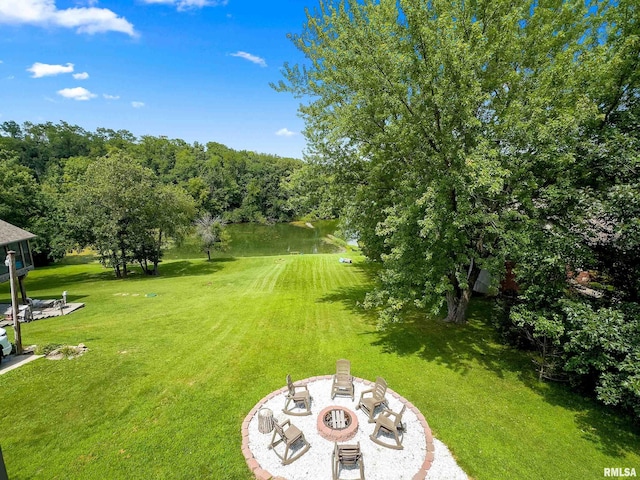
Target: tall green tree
<point>440,118</point>
<point>172,211</point>
<point>120,209</point>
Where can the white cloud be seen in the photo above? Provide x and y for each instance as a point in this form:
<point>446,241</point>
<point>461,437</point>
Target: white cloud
<point>45,13</point>
<point>189,4</point>
<point>111,97</point>
<point>77,93</point>
<point>285,132</point>
<point>137,104</point>
<point>81,76</point>
<point>251,58</point>
<point>45,70</point>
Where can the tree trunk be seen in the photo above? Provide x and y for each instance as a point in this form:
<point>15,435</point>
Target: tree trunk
<point>156,259</point>
<point>457,303</point>
<point>458,299</point>
<point>124,263</point>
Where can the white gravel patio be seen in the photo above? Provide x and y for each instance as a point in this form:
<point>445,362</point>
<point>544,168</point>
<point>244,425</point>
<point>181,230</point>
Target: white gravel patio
<point>422,454</point>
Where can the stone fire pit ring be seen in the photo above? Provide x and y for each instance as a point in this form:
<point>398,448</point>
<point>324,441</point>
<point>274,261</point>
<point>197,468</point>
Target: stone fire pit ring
<point>333,433</point>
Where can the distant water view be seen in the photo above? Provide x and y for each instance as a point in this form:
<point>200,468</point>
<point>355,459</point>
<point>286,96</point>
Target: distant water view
<point>252,239</point>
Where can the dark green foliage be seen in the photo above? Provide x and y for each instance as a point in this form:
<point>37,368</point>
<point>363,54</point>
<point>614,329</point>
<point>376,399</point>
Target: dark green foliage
<point>588,220</point>
<point>603,351</point>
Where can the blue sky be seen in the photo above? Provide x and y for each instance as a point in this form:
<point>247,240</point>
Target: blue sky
<point>198,70</point>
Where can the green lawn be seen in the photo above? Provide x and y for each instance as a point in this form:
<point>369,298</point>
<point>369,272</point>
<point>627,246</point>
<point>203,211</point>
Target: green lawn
<point>168,379</point>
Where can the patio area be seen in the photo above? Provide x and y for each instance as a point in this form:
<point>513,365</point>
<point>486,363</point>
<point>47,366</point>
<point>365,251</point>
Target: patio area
<point>51,310</point>
<point>422,456</point>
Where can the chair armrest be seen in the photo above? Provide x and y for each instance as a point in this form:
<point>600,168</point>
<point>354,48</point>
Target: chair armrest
<point>363,393</point>
<point>389,413</point>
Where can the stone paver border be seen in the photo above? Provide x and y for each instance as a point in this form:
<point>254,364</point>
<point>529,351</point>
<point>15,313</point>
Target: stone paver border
<point>262,474</point>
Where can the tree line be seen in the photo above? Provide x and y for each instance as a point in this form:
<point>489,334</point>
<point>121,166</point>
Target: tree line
<point>126,196</point>
<point>465,135</point>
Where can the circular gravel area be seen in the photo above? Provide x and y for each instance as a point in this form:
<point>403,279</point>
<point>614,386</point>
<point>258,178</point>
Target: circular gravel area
<point>422,456</point>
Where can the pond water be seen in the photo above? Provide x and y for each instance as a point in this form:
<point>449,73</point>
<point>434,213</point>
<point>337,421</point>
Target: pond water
<point>250,240</point>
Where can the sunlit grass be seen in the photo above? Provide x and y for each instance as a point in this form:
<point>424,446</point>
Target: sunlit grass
<point>168,379</point>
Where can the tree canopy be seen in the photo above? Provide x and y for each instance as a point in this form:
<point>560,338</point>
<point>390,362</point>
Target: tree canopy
<point>443,121</point>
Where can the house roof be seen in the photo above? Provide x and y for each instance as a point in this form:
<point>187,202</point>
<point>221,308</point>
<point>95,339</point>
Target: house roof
<point>10,233</point>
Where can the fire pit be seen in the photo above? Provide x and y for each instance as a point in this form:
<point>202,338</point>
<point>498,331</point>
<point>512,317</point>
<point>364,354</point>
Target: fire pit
<point>337,424</point>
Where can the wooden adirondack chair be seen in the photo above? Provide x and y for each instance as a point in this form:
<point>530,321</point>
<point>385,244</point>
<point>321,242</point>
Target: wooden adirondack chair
<point>347,456</point>
<point>389,422</point>
<point>288,434</point>
<point>377,398</point>
<point>297,394</point>
<point>342,380</point>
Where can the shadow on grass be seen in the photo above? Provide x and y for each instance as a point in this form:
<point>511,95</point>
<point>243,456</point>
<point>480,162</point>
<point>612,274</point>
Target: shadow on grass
<point>63,280</point>
<point>462,347</point>
<point>457,347</point>
<point>352,297</point>
<point>612,432</point>
<point>191,268</point>
<point>101,274</point>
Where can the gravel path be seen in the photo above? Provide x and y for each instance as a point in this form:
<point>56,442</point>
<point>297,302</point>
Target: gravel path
<point>380,463</point>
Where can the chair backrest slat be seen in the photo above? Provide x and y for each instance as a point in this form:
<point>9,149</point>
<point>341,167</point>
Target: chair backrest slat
<point>343,367</point>
<point>380,388</point>
<point>349,454</point>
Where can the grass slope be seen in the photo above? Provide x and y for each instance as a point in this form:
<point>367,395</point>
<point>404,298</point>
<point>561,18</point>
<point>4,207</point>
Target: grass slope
<point>168,379</point>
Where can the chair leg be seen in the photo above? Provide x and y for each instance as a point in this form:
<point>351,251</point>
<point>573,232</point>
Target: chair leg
<point>334,466</point>
<point>273,443</point>
<point>289,411</point>
<point>375,439</point>
<point>372,413</point>
<point>400,446</point>
<point>286,460</point>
